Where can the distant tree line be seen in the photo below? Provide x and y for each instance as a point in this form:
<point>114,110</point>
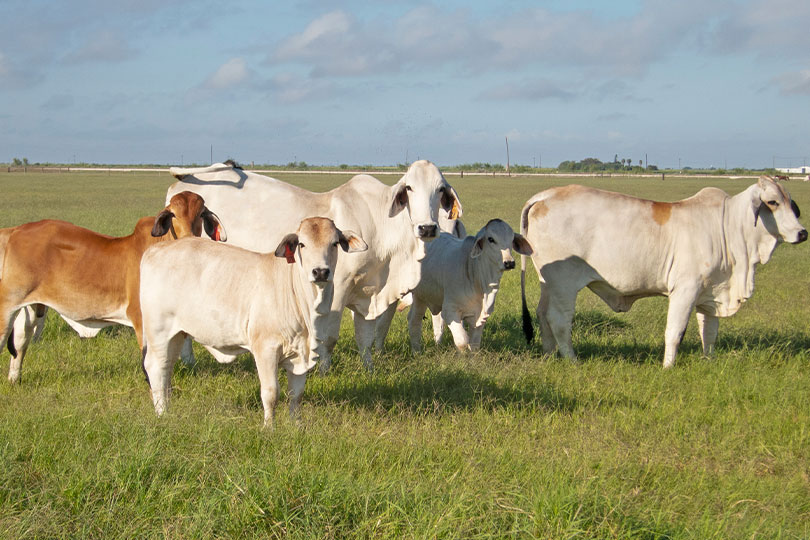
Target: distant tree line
<point>596,165</point>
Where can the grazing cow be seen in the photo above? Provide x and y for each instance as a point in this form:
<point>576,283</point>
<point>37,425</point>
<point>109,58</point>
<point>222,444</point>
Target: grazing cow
<point>242,301</point>
<point>90,279</point>
<point>701,252</point>
<point>396,221</point>
<point>460,279</point>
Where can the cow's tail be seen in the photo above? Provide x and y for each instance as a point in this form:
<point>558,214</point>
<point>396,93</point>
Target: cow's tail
<point>528,325</point>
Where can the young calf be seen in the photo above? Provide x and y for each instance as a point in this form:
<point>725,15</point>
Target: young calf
<point>236,301</point>
<point>90,279</point>
<point>460,279</point>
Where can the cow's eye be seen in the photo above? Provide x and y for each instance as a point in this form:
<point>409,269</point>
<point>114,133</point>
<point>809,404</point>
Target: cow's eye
<point>335,244</point>
<point>773,203</point>
<point>408,188</point>
<point>300,245</point>
<point>491,240</point>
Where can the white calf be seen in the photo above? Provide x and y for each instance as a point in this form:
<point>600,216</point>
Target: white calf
<point>460,279</point>
<point>235,301</point>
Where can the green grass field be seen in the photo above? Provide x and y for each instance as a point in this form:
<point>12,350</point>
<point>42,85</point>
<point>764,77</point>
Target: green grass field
<point>504,443</point>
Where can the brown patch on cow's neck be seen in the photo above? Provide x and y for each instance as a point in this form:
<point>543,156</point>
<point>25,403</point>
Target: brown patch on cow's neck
<point>661,212</point>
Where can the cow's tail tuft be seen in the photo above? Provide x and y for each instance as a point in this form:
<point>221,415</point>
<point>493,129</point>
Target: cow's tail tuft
<point>143,364</point>
<point>10,343</point>
<point>528,325</point>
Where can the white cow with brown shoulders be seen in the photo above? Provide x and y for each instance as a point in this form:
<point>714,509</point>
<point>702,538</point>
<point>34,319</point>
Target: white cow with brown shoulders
<point>700,252</point>
<point>275,305</point>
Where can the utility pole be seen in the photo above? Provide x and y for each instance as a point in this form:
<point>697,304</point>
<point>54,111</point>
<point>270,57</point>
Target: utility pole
<point>507,156</point>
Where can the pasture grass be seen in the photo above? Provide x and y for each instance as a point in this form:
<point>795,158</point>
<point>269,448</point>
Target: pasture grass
<point>503,443</point>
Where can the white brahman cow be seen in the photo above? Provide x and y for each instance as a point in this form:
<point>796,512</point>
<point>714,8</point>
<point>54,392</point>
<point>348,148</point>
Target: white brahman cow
<point>236,301</point>
<point>460,280</point>
<point>701,252</point>
<point>396,221</point>
<point>90,279</point>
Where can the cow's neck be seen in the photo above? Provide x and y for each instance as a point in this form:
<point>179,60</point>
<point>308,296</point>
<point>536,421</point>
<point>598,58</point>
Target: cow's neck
<point>747,245</point>
<point>482,275</point>
<point>314,305</point>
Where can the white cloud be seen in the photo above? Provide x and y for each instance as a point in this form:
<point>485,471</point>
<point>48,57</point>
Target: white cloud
<point>232,73</point>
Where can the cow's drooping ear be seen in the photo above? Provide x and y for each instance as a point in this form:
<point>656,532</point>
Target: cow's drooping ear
<point>213,226</point>
<point>478,246</point>
<point>351,242</point>
<point>287,247</point>
<point>400,199</point>
<point>163,223</point>
<point>756,203</point>
<point>795,208</point>
<point>450,202</point>
<point>521,245</point>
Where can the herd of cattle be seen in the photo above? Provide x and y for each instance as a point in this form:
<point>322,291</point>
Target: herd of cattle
<point>294,260</point>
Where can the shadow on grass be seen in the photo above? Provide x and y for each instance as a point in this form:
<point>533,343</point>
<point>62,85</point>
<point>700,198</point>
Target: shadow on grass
<point>593,331</point>
<point>444,391</point>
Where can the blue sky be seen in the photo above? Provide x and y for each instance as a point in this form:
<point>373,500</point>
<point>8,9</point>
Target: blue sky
<point>702,83</point>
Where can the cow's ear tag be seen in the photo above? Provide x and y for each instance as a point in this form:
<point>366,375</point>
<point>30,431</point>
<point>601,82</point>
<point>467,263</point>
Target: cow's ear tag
<point>454,210</point>
<point>289,254</point>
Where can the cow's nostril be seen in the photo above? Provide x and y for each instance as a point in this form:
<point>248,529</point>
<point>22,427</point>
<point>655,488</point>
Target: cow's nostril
<point>509,265</point>
<point>802,235</point>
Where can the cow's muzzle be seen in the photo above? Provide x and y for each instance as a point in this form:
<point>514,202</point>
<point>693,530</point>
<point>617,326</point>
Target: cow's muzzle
<point>427,231</point>
<point>802,236</point>
<point>320,275</point>
<point>509,265</point>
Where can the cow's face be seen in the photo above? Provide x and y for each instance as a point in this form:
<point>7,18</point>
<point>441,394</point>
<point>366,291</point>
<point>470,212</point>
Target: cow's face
<point>778,212</point>
<point>494,243</point>
<point>421,192</point>
<point>314,246</point>
<point>186,215</point>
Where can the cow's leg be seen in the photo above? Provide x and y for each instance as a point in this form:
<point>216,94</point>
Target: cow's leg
<point>708,326</point>
<point>295,389</point>
<point>383,325</point>
<point>333,331</point>
<point>415,314</point>
<point>364,335</point>
<point>187,352</point>
<point>546,335</point>
<point>438,327</point>
<point>158,364</point>
<point>681,303</point>
<point>560,318</point>
<point>476,332</point>
<point>24,326</point>
<point>40,311</point>
<point>134,316</point>
<point>456,326</point>
<point>267,356</point>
